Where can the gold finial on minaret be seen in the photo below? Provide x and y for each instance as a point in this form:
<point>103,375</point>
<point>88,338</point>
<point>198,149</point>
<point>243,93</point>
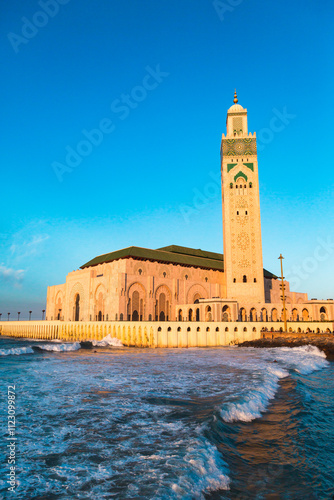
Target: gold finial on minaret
<point>235,100</point>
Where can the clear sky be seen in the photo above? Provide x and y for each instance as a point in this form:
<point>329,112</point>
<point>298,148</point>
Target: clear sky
<point>157,77</point>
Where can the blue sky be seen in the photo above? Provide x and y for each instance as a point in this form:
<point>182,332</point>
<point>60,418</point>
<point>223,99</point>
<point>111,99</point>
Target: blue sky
<point>150,179</point>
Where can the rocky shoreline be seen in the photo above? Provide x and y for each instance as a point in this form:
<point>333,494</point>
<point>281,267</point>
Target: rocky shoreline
<point>324,342</point>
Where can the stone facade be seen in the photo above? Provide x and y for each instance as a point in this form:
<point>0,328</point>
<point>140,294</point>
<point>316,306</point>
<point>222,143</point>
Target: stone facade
<point>182,284</point>
<point>241,209</point>
<point>130,289</point>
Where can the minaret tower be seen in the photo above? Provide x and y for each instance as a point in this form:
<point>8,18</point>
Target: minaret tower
<point>241,209</point>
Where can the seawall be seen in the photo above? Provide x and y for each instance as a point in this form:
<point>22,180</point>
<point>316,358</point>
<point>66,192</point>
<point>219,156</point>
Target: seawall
<point>324,341</point>
<point>154,334</point>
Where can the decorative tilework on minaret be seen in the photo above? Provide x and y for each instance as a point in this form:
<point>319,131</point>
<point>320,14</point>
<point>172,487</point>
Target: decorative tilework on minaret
<point>241,209</point>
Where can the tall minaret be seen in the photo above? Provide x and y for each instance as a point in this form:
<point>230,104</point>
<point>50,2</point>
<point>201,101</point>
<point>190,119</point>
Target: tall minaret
<point>241,209</point>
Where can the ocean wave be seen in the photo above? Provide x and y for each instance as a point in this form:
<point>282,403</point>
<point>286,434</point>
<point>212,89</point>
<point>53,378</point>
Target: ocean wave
<point>257,400</point>
<point>205,470</point>
<point>107,341</point>
<point>304,360</point>
<point>17,351</point>
<point>60,347</point>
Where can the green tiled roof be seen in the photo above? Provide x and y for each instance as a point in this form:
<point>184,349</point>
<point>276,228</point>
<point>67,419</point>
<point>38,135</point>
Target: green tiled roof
<point>191,251</point>
<point>172,254</point>
<point>161,255</point>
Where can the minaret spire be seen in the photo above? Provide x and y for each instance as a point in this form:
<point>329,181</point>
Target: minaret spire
<point>235,97</point>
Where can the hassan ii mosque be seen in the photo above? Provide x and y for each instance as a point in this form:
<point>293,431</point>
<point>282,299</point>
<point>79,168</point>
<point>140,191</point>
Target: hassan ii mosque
<point>175,283</point>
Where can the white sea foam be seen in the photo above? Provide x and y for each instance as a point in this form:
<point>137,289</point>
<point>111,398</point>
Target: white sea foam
<point>205,470</point>
<point>305,360</point>
<point>16,350</point>
<point>257,400</point>
<point>61,347</point>
<point>108,341</point>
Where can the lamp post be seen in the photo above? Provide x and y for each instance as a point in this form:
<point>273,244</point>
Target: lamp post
<point>43,311</point>
<point>8,316</point>
<point>18,316</point>
<point>30,315</point>
<point>283,292</point>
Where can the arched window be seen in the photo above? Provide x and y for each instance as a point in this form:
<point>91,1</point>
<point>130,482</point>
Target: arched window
<point>197,314</point>
<point>135,306</point>
<point>208,314</point>
<point>190,315</point>
<point>264,314</point>
<point>244,278</point>
<point>274,315</point>
<point>77,307</point>
<point>323,314</point>
<point>243,316</point>
<point>305,315</point>
<point>197,296</point>
<point>180,315</point>
<point>253,314</point>
<point>226,313</point>
<point>162,307</point>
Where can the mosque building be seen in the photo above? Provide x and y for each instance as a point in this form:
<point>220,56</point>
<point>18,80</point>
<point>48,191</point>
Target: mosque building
<point>175,283</point>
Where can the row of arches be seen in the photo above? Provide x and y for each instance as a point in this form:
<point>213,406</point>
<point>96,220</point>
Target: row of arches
<point>161,309</point>
<point>278,315</point>
<point>208,329</point>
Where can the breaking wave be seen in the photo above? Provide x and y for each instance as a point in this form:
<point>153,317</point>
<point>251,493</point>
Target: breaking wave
<point>60,347</point>
<point>107,341</point>
<point>17,351</point>
<point>303,360</point>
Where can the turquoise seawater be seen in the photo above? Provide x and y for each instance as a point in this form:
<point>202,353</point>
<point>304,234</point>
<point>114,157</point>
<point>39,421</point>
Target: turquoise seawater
<point>221,423</point>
